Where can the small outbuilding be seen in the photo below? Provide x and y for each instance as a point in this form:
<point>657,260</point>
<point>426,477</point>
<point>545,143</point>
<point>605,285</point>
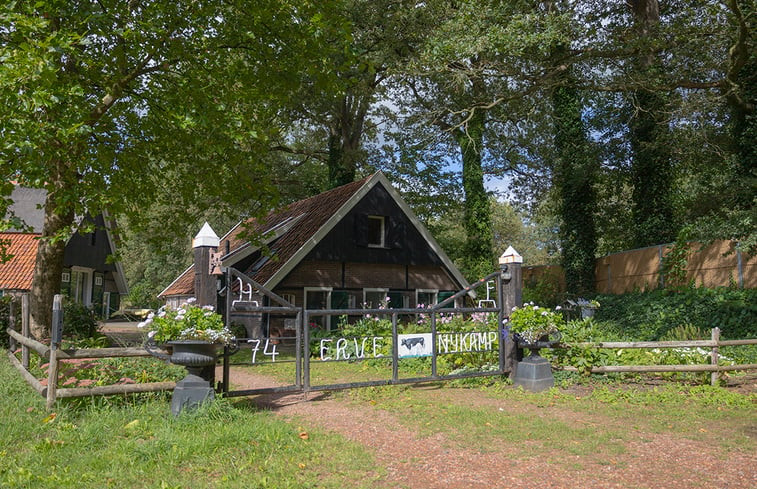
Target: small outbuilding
<point>89,276</point>
<point>358,245</point>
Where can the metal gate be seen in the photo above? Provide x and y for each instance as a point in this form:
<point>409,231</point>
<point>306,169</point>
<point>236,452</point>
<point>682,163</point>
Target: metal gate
<point>302,348</point>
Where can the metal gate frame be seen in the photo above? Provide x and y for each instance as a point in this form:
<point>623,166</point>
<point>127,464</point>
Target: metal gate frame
<point>241,284</point>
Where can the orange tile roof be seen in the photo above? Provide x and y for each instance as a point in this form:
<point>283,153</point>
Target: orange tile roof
<point>17,273</point>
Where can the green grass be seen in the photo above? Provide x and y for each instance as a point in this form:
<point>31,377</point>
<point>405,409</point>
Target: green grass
<point>597,424</point>
<point>138,443</point>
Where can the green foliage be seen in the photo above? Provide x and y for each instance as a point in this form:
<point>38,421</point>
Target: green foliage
<point>5,302</point>
<point>649,316</point>
<point>543,291</point>
<point>79,321</point>
<point>675,261</point>
<point>133,441</point>
<point>575,178</point>
<point>531,322</point>
<point>187,322</point>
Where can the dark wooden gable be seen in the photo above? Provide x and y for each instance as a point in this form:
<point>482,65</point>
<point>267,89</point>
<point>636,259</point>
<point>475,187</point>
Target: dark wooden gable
<point>90,250</point>
<point>403,244</point>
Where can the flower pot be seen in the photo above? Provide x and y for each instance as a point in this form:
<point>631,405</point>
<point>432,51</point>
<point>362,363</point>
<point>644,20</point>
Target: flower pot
<point>193,353</point>
<point>199,358</point>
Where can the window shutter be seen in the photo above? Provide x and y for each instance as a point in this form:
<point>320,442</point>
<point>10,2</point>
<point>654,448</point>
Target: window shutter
<point>396,232</point>
<point>361,229</point>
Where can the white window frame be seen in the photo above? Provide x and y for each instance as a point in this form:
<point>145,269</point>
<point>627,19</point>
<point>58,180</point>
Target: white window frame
<point>435,292</point>
<point>366,290</point>
<point>328,301</point>
<point>86,291</point>
<point>289,298</point>
<point>382,237</point>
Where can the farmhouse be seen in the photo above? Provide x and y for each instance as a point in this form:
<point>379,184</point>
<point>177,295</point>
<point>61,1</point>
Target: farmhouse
<point>88,276</point>
<point>351,247</point>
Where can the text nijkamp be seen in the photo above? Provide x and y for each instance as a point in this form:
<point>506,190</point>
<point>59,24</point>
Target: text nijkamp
<point>373,346</point>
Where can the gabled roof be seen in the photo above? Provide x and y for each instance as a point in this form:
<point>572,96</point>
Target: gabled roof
<point>17,273</point>
<point>292,232</point>
<point>28,205</point>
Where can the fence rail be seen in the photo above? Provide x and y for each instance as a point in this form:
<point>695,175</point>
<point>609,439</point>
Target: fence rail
<point>51,391</point>
<point>714,343</point>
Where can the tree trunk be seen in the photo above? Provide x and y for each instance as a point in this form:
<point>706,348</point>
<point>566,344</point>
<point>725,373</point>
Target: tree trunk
<point>575,176</point>
<point>345,135</point>
<point>47,271</point>
<point>741,95</point>
<point>478,223</point>
<point>652,168</point>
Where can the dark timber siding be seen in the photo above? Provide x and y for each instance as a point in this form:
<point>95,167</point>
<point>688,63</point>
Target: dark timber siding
<point>404,244</point>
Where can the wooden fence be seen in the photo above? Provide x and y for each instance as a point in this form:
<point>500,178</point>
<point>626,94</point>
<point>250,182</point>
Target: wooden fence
<point>718,264</point>
<point>715,343</point>
<point>54,356</point>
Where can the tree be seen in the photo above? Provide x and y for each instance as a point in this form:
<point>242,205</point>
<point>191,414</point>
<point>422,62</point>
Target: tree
<point>102,98</point>
<point>652,168</point>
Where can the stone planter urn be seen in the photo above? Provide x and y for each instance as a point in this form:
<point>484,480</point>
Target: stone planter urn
<point>196,356</point>
<point>534,372</point>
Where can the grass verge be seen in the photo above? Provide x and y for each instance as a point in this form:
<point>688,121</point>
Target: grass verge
<point>137,443</point>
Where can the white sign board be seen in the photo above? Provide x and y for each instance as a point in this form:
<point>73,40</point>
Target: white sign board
<point>414,345</point>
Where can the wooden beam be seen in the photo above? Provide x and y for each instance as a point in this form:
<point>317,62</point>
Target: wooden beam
<point>30,379</point>
<point>106,390</point>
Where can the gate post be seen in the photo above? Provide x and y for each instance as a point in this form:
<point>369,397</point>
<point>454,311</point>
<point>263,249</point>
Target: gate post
<point>204,246</point>
<point>510,295</point>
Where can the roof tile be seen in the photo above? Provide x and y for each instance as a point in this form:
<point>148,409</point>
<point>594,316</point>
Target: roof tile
<point>316,210</point>
<point>17,273</point>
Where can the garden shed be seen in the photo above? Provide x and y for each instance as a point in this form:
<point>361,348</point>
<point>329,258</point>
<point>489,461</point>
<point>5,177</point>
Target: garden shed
<point>358,245</point>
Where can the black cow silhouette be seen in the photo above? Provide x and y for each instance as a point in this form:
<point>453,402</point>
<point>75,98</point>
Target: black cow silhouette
<point>409,343</point>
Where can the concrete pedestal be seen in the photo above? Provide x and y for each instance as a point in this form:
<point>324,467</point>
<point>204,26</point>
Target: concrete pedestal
<point>189,393</point>
<point>534,373</point>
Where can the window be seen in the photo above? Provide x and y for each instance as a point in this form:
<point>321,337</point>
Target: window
<point>425,297</point>
<point>376,231</point>
<point>342,299</point>
<point>81,285</point>
<point>398,300</point>
<point>318,298</point>
<point>374,298</point>
<point>289,298</point>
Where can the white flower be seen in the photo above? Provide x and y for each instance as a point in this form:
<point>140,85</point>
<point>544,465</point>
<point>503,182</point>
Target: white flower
<point>151,315</point>
<point>142,325</point>
<point>151,334</point>
<point>191,300</point>
<point>558,308</point>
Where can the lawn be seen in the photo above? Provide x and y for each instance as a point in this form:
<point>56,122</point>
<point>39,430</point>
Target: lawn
<point>135,442</point>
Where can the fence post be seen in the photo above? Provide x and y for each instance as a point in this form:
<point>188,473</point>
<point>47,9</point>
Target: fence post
<point>56,333</point>
<point>715,375</point>
<point>25,329</point>
<point>511,295</point>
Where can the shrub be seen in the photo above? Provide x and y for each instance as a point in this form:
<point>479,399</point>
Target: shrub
<point>649,316</point>
<point>5,304</point>
<point>79,321</point>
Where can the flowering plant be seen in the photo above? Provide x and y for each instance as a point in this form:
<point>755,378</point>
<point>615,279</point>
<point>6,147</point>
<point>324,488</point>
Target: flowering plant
<point>187,322</point>
<point>592,304</point>
<point>531,322</point>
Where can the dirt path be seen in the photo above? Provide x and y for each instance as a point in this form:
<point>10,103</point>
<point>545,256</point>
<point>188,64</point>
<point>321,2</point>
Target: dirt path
<point>412,461</point>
